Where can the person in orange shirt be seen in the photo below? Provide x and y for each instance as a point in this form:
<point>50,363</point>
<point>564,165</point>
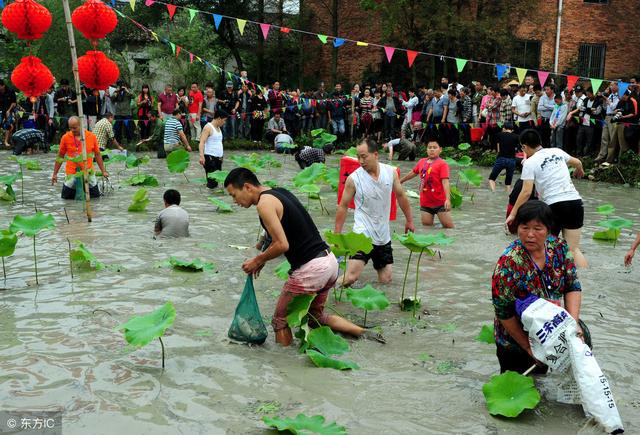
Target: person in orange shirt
<point>70,149</point>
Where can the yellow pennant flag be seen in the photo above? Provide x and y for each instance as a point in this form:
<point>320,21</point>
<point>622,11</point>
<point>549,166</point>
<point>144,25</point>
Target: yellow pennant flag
<point>241,24</point>
<point>155,36</point>
<point>133,4</point>
<point>361,44</point>
<point>522,73</point>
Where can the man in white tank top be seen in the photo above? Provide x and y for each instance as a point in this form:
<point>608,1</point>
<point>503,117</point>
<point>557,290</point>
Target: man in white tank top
<point>370,186</point>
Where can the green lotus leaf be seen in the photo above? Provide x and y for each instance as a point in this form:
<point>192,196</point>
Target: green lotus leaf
<point>317,132</point>
<point>509,394</point>
<point>247,162</point>
<point>7,194</point>
<point>141,330</point>
<point>271,183</point>
<point>615,224</point>
<point>464,146</point>
<point>8,242</point>
<point>310,174</point>
<point>326,362</point>
<point>298,308</point>
<point>282,270</point>
<point>606,209</point>
<point>325,341</point>
<point>486,335</point>
<point>288,146</point>
<point>143,180</point>
<point>451,162</point>
<point>421,242</point>
<point>324,139</point>
<point>220,204</point>
<point>465,161</point>
<point>610,235</point>
<point>132,161</point>
<point>408,304</point>
<point>349,243</point>
<point>218,176</point>
<point>32,225</point>
<point>195,265</point>
<point>351,152</point>
<point>139,201</point>
<point>332,178</point>
<point>178,161</point>
<point>269,161</point>
<point>471,176</point>
<point>33,165</point>
<point>84,257</point>
<point>310,189</point>
<point>456,197</point>
<point>304,425</point>
<point>412,194</point>
<point>8,180</point>
<point>368,298</point>
<point>55,148</point>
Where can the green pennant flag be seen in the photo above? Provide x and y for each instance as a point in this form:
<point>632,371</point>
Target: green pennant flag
<point>456,125</point>
<point>576,118</point>
<point>595,84</point>
<point>173,47</point>
<point>57,118</point>
<point>593,121</point>
<point>323,38</point>
<point>192,13</point>
<point>424,125</point>
<point>437,126</point>
<point>229,75</point>
<point>460,63</point>
<point>500,124</point>
<point>522,73</point>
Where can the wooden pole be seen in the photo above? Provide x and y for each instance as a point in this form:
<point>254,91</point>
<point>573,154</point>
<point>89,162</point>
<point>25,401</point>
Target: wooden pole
<point>76,78</point>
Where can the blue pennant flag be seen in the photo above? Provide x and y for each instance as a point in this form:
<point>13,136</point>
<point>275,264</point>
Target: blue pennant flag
<point>500,70</point>
<point>338,42</point>
<point>217,19</point>
<point>113,3</point>
<point>622,88</point>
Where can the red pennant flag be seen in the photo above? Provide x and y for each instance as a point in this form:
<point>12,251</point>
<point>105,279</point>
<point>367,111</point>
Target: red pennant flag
<point>178,48</point>
<point>190,57</point>
<point>265,30</point>
<point>571,82</point>
<point>389,52</point>
<point>285,29</point>
<point>172,10</point>
<point>411,56</point>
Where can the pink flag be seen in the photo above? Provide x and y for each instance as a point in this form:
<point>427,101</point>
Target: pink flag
<point>172,10</point>
<point>265,29</point>
<point>389,52</point>
<point>190,57</point>
<point>571,82</point>
<point>411,56</point>
<point>149,2</point>
<point>542,77</point>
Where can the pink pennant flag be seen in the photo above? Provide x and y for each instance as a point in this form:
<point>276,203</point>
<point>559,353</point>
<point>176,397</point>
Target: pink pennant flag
<point>146,122</point>
<point>190,57</point>
<point>265,29</point>
<point>149,2</point>
<point>389,52</point>
<point>542,77</point>
<point>172,10</point>
<point>571,82</point>
<point>411,56</point>
<point>178,48</point>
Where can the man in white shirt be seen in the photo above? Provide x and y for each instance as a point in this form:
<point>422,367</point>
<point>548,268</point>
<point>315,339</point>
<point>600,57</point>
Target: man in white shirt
<point>173,221</point>
<point>521,108</point>
<point>610,101</point>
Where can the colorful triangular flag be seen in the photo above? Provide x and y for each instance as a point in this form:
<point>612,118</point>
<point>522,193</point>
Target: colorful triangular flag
<point>190,57</point>
<point>148,2</point>
<point>135,122</point>
<point>132,3</point>
<point>192,13</point>
<point>173,47</point>
<point>411,57</point>
<point>361,44</point>
<point>461,63</point>
<point>595,84</point>
<point>389,52</point>
<point>501,70</point>
<point>622,87</point>
<point>522,73</point>
<point>217,19</point>
<point>285,29</point>
<point>178,49</point>
<point>241,24</point>
<point>338,42</point>
<point>322,38</point>
<point>542,77</point>
<point>571,82</point>
<point>172,10</point>
<point>154,34</point>
<point>265,29</point>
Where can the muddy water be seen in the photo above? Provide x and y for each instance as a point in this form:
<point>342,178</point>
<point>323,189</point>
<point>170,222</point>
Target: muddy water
<point>57,352</point>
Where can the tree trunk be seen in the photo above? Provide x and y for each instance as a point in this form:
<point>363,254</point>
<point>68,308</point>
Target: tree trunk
<point>300,45</point>
<point>334,51</point>
<point>260,51</point>
<point>279,45</point>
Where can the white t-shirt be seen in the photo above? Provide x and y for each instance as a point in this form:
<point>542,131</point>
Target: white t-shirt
<point>373,204</point>
<point>548,170</point>
<point>213,145</point>
<point>522,105</point>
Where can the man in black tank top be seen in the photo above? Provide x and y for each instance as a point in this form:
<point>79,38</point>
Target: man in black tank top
<point>314,269</point>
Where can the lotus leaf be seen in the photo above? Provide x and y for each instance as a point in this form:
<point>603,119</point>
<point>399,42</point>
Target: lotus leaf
<point>282,270</point>
<point>141,330</point>
<point>271,183</point>
<point>324,139</point>
<point>464,146</point>
<point>332,178</point>
<point>412,194</point>
<point>421,242</point>
<point>451,162</point>
<point>510,393</point>
<point>351,152</point>
<point>178,161</point>
<point>8,242</point>
<point>349,243</point>
<point>312,190</point>
<point>247,162</point>
<point>471,176</point>
<point>486,334</point>
<point>368,298</point>
<point>195,265</point>
<point>304,425</point>
<point>615,224</point>
<point>298,308</point>
<point>8,180</point>
<point>407,304</point>
<point>606,209</point>
<point>269,161</point>
<point>7,194</point>
<point>54,148</point>
<point>84,257</point>
<point>456,197</point>
<point>143,180</point>
<point>132,161</point>
<point>317,132</point>
<point>610,235</point>
<point>465,161</point>
<point>222,206</point>
<point>32,225</point>
<point>310,174</point>
<point>218,176</point>
<point>325,341</point>
<point>324,361</point>
<point>139,200</point>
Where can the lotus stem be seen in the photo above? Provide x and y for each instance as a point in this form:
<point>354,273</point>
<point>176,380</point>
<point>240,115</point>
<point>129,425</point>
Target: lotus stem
<point>35,259</point>
<point>22,183</point>
<point>162,344</point>
<point>65,214</point>
<point>404,283</point>
<point>70,262</point>
<point>4,272</point>
<point>344,278</point>
<point>415,293</point>
<point>364,324</point>
<point>185,176</point>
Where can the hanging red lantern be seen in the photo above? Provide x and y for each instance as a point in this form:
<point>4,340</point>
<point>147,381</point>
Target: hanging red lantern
<point>96,70</point>
<point>94,19</point>
<point>32,77</point>
<point>28,19</point>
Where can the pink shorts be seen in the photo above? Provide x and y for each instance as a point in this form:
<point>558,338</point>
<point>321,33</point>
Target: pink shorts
<point>317,276</point>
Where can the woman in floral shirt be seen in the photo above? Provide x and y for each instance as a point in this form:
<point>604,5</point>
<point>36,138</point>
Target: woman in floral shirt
<point>538,263</point>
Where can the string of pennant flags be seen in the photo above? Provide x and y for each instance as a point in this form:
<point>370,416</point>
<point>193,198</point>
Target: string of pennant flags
<point>502,69</point>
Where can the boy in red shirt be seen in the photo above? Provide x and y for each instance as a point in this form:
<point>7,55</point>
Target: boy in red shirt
<point>195,111</point>
<point>435,193</point>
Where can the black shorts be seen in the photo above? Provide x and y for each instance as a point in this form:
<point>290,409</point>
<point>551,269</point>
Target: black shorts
<point>567,215</point>
<point>515,359</point>
<point>433,210</point>
<point>381,255</point>
<point>70,193</point>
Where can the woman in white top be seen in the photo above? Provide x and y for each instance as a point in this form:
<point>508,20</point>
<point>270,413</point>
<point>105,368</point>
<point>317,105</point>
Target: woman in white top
<point>211,150</point>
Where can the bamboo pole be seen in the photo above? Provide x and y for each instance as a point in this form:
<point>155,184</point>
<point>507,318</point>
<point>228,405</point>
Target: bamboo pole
<point>76,78</point>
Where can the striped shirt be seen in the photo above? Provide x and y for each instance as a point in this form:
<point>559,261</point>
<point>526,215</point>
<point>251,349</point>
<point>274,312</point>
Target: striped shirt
<point>104,132</point>
<point>172,127</point>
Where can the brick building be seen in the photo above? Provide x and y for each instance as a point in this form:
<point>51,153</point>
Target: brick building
<point>598,38</point>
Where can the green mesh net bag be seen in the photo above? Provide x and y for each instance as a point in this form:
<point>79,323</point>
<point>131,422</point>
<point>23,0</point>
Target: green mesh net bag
<point>247,325</point>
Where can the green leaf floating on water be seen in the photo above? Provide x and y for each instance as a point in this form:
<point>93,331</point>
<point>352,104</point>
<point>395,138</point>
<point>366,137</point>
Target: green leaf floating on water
<point>139,201</point>
<point>464,146</point>
<point>178,161</point>
<point>326,362</point>
<point>610,235</point>
<point>368,298</point>
<point>509,394</point>
<point>456,197</point>
<point>32,225</point>
<point>141,330</point>
<point>615,224</point>
<point>84,257</point>
<point>195,265</point>
<point>249,162</point>
<point>8,242</point>
<point>8,180</point>
<point>298,309</point>
<point>325,341</point>
<point>220,204</point>
<point>30,164</point>
<point>349,243</point>
<point>143,180</point>
<point>132,161</point>
<point>486,335</point>
<point>605,209</point>
<point>471,176</point>
<point>310,174</point>
<point>218,176</point>
<point>303,425</point>
<point>282,270</point>
<point>421,242</point>
<point>7,194</point>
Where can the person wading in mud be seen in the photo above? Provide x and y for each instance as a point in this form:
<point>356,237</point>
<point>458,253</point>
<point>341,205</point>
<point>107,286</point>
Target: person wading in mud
<point>314,268</point>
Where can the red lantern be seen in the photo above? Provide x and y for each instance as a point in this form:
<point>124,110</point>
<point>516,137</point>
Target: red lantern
<point>96,70</point>
<point>94,19</point>
<point>32,77</point>
<point>28,19</point>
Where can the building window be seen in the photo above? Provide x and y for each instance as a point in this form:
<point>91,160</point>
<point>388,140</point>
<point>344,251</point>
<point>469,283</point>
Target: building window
<point>526,54</point>
<point>591,60</point>
<point>597,2</point>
